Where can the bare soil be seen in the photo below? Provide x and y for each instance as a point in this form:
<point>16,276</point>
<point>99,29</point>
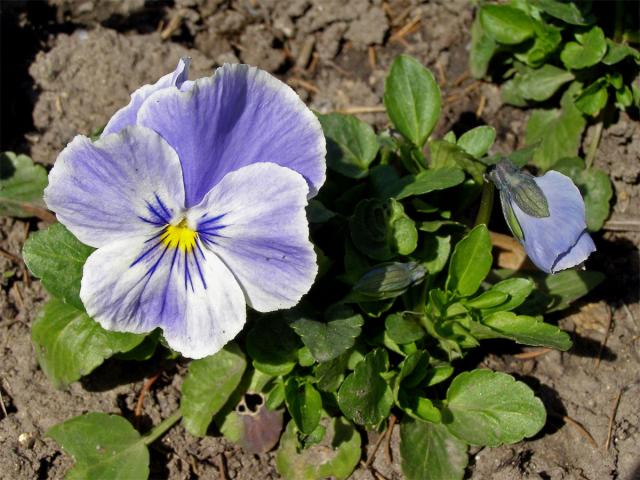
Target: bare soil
<point>68,65</point>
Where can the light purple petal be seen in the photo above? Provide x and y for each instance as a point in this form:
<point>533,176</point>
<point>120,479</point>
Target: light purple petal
<point>137,285</point>
<point>126,116</point>
<point>122,185</point>
<point>255,221</point>
<point>238,117</point>
<point>560,240</point>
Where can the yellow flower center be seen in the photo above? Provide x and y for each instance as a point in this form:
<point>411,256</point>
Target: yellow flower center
<point>180,236</point>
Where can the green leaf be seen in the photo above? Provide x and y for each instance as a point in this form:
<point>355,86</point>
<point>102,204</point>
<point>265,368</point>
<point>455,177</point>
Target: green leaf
<point>318,213</point>
<point>428,450</point>
<point>334,456</point>
<point>567,286</point>
<point>412,99</point>
<point>404,327</point>
<point>331,374</point>
<point>541,83</point>
<point>528,330</point>
<point>69,344</point>
<point>593,98</point>
<point>304,404</point>
<point>518,289</point>
<point>364,396</point>
<point>425,182</point>
<point>351,144</point>
<point>57,257</point>
<point>387,280</point>
<point>477,141</point>
<point>273,346</point>
<point>22,184</point>
<point>483,48</point>
<point>547,39</point>
<point>559,132</point>
<point>470,262</point>
<point>445,154</point>
<point>588,50</point>
<point>104,447</point>
<point>505,24</point>
<point>328,340</point>
<point>435,252</point>
<point>616,52</point>
<point>208,385</point>
<point>491,408</point>
<point>565,11</point>
<point>595,187</point>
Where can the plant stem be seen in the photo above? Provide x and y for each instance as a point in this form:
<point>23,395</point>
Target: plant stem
<point>486,204</point>
<point>160,429</point>
<point>595,142</point>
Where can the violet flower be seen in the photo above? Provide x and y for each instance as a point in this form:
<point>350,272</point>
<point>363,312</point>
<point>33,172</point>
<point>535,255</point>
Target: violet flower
<point>546,214</point>
<point>195,199</point>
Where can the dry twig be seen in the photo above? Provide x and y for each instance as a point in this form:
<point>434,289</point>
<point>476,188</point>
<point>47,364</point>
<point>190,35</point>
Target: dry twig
<point>146,386</point>
<point>299,82</point>
<point>532,353</point>
<point>612,417</point>
<point>410,27</point>
<point>578,426</point>
<point>598,359</point>
<point>360,110</point>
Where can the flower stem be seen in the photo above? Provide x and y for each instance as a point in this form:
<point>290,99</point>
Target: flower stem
<point>160,429</point>
<point>486,204</point>
<point>593,146</point>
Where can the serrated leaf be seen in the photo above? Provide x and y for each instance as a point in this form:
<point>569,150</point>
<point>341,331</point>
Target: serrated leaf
<point>208,385</point>
<point>412,99</point>
<point>506,24</point>
<point>470,262</point>
<point>364,397</point>
<point>428,450</point>
<point>477,141</point>
<point>273,346</point>
<point>303,403</point>
<point>22,184</point>
<point>69,344</point>
<point>104,447</point>
<point>334,456</point>
<point>491,408</point>
<point>588,50</point>
<point>57,257</point>
<point>328,340</point>
<point>559,132</point>
<point>351,144</point>
<point>528,330</point>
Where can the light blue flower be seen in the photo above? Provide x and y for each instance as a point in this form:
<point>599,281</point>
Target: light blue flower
<point>195,199</point>
<point>546,214</point>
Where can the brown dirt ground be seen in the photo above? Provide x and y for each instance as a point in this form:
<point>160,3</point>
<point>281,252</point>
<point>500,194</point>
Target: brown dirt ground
<point>84,57</point>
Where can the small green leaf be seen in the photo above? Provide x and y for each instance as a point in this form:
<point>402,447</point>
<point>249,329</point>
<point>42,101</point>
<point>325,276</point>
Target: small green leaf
<point>435,252</point>
<point>273,346</point>
<point>364,396</point>
<point>541,83</point>
<point>208,385</point>
<point>334,456</point>
<point>593,98</point>
<point>616,52</point>
<point>404,327</point>
<point>351,144</point>
<point>428,450</point>
<point>588,50</point>
<point>567,286</point>
<point>470,262</point>
<point>22,184</point>
<point>566,11</point>
<point>331,374</point>
<point>57,257</point>
<point>491,408</point>
<point>412,99</point>
<point>69,344</point>
<point>477,141</point>
<point>506,24</point>
<point>518,289</point>
<point>483,48</point>
<point>445,154</point>
<point>328,340</point>
<point>559,132</point>
<point>595,187</point>
<point>528,330</point>
<point>104,447</point>
<point>425,182</point>
<point>304,404</point>
<point>387,280</point>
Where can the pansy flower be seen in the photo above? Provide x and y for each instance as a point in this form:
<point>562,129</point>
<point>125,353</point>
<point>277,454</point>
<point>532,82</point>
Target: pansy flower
<point>546,214</point>
<point>195,199</point>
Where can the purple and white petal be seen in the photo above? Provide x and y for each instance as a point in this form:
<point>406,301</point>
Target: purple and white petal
<point>560,240</point>
<point>139,284</point>
<point>126,116</point>
<point>255,221</point>
<point>238,117</point>
<point>124,184</point>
